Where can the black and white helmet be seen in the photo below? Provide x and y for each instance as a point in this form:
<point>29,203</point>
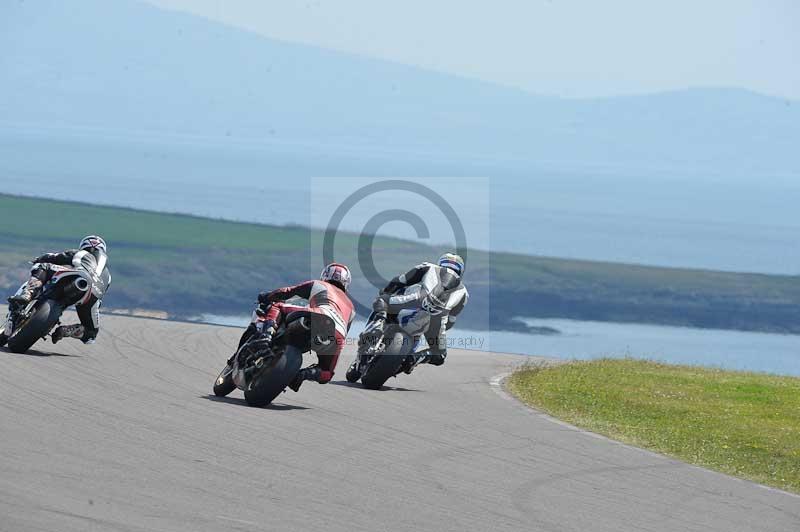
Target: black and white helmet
<point>92,242</point>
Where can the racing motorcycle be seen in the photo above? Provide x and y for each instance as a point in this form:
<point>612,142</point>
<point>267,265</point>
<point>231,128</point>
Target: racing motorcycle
<point>27,324</point>
<point>393,344</point>
<point>388,348</point>
<point>263,372</point>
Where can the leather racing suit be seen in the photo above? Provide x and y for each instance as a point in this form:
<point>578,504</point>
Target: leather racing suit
<point>410,289</point>
<point>327,302</point>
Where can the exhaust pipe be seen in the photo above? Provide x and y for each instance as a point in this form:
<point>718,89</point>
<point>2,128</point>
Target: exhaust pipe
<point>81,284</point>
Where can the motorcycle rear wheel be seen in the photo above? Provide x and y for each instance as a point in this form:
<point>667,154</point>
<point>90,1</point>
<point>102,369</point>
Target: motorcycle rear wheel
<point>264,387</point>
<point>35,327</point>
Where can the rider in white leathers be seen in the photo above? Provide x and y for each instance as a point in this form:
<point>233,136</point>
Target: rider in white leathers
<point>437,288</point>
<point>91,255</point>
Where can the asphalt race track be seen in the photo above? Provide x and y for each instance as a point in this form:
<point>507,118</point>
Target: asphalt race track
<point>125,435</point>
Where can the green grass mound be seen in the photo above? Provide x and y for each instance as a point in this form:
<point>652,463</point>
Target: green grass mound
<point>188,265</point>
<point>742,424</point>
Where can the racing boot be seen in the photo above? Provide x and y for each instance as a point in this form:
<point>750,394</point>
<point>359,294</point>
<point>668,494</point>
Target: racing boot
<point>311,373</point>
<point>409,363</point>
<point>434,358</point>
<point>68,331</point>
<point>27,292</point>
<point>430,356</point>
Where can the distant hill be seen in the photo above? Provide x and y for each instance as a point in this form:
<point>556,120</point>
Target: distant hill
<point>128,66</point>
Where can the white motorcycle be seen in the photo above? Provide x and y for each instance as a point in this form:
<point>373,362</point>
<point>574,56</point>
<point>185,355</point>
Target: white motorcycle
<point>25,325</point>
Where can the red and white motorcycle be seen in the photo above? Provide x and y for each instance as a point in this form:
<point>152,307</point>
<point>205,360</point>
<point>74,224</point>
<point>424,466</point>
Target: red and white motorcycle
<point>263,371</point>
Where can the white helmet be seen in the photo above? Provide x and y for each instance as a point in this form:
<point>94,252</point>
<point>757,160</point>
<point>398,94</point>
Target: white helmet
<point>452,261</point>
<point>338,274</point>
<point>93,242</point>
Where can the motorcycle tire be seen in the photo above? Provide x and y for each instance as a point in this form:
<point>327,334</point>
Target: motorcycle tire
<point>224,383</point>
<point>35,327</point>
<point>265,386</point>
<point>386,365</point>
<point>352,375</point>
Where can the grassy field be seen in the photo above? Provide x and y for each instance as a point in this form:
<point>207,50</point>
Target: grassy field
<point>742,424</point>
<point>186,265</point>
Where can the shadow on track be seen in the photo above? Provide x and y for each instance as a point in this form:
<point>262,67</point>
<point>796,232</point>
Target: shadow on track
<point>384,388</point>
<point>37,353</point>
<point>241,402</point>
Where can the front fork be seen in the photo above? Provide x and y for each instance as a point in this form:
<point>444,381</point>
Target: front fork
<point>371,341</point>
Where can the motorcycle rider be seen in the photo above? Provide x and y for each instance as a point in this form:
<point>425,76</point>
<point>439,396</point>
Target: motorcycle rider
<point>437,288</point>
<point>91,255</point>
<point>327,299</point>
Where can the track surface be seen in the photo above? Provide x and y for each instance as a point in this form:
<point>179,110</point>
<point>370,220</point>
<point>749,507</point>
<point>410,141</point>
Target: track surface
<point>123,435</point>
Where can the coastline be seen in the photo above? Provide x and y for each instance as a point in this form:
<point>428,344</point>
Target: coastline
<point>587,340</point>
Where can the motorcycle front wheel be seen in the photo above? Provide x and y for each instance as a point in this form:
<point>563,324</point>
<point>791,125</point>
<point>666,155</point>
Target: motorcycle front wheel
<point>224,383</point>
<point>386,365</point>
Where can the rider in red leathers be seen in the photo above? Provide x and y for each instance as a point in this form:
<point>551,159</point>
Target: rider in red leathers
<point>330,313</point>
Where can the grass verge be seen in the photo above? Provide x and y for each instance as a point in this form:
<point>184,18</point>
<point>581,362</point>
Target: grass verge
<point>742,424</point>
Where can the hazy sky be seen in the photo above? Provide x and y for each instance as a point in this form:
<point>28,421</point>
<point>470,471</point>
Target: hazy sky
<point>562,47</point>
